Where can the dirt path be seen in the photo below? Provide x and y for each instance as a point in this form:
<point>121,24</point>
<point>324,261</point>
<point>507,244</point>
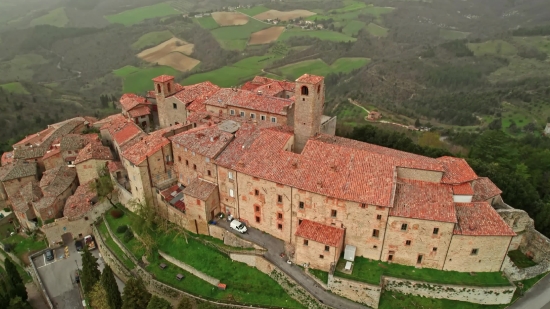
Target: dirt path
<point>357,104</point>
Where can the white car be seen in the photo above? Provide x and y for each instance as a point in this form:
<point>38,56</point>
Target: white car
<point>238,226</point>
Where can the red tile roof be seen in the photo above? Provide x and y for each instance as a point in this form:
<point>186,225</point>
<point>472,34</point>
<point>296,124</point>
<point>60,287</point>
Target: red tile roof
<point>171,193</point>
<point>208,141</point>
<point>106,122</point>
<point>194,92</point>
<point>457,170</point>
<point>270,89</point>
<point>250,86</point>
<point>36,138</point>
<point>80,202</point>
<point>7,157</point>
<point>140,111</point>
<point>480,219</point>
<point>128,101</point>
<point>423,200</point>
<point>114,166</point>
<point>148,145</point>
<point>463,189</point>
<point>484,189</point>
<point>309,79</point>
<point>325,234</point>
<point>163,78</point>
<point>249,100</point>
<point>200,189</point>
<point>95,151</point>
<point>197,105</point>
<point>128,132</point>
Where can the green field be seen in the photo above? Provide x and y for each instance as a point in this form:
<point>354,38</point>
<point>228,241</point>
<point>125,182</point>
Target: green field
<point>319,67</point>
<point>236,37</point>
<point>20,66</point>
<point>542,43</point>
<point>15,87</point>
<point>326,35</point>
<point>55,17</point>
<point>137,15</point>
<point>453,34</point>
<point>493,47</point>
<point>254,10</point>
<point>207,22</point>
<point>519,69</point>
<point>351,6</point>
<point>376,30</point>
<point>152,39</point>
<point>138,80</point>
<point>353,27</point>
<point>378,10</point>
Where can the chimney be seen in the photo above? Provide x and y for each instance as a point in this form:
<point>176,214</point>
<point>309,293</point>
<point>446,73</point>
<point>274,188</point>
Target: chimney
<point>260,92</point>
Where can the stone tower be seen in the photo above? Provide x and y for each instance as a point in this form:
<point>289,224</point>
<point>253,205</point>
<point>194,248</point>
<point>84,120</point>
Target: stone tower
<point>164,87</point>
<point>308,109</point>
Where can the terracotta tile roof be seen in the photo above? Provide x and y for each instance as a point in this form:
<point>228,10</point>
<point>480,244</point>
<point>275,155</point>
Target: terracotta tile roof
<point>114,166</point>
<point>195,92</point>
<point>200,189</point>
<point>74,142</point>
<point>140,111</point>
<point>270,89</point>
<point>484,189</point>
<point>463,189</point>
<point>44,202</point>
<point>457,170</point>
<point>174,196</point>
<point>163,78</point>
<point>249,100</point>
<point>28,194</point>
<point>250,86</point>
<point>56,180</point>
<point>94,150</point>
<point>36,138</point>
<point>18,169</point>
<point>197,105</point>
<point>207,141</point>
<point>480,219</point>
<point>106,122</point>
<point>129,101</point>
<point>126,133</point>
<point>260,81</point>
<point>151,94</point>
<point>309,79</point>
<point>321,233</point>
<point>148,145</point>
<point>423,200</point>
<point>244,137</point>
<point>50,153</point>
<point>7,157</point>
<point>80,202</point>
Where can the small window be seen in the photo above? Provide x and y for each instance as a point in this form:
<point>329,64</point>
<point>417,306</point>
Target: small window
<point>404,226</point>
<point>198,202</point>
<point>390,257</point>
<point>257,208</point>
<point>169,86</point>
<point>209,173</point>
<point>279,216</point>
<point>195,167</point>
<point>408,243</point>
<point>363,206</point>
<point>186,162</point>
<point>179,159</point>
<point>327,248</point>
<point>306,242</point>
<point>262,117</point>
<point>279,199</point>
<point>230,175</point>
<point>175,106</point>
<point>232,112</point>
<point>231,193</point>
<point>436,231</point>
<point>257,219</point>
<point>319,89</point>
<point>333,213</point>
<point>375,233</point>
<point>301,205</point>
<point>474,251</point>
<point>434,249</point>
<point>242,114</point>
<point>378,217</point>
<point>252,116</point>
<point>375,247</point>
<point>273,119</point>
<point>321,256</point>
<point>256,192</point>
<point>305,90</point>
<point>300,221</point>
<point>158,88</point>
<point>280,226</point>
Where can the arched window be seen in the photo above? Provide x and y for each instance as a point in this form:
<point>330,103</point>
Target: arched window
<point>319,89</point>
<point>169,86</point>
<point>305,90</point>
<point>158,88</point>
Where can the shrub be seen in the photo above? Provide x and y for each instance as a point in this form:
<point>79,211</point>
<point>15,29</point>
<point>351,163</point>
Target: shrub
<point>8,247</point>
<point>122,229</point>
<point>117,213</point>
<point>7,209</point>
<point>128,235</point>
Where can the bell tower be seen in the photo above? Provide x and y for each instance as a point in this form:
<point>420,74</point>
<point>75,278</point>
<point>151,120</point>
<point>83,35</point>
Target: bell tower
<point>164,86</point>
<point>308,109</point>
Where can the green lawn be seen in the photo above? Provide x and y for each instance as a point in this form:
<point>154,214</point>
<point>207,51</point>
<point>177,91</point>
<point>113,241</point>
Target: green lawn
<point>322,275</point>
<point>24,245</point>
<point>326,35</point>
<point>370,271</point>
<point>139,80</point>
<point>353,27</point>
<point>351,6</point>
<point>137,15</point>
<point>254,10</point>
<point>133,245</point>
<point>376,30</point>
<point>520,259</point>
<point>15,87</point>
<point>493,47</point>
<point>319,67</point>
<point>521,69</point>
<point>378,10</point>
<point>394,300</point>
<point>152,39</point>
<point>114,247</point>
<point>207,22</point>
<point>56,18</point>
<point>453,34</point>
<point>236,37</point>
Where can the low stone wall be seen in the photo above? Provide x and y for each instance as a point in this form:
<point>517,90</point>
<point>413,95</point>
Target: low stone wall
<point>472,294</point>
<point>536,245</point>
<point>110,258</point>
<point>233,240</point>
<point>515,273</point>
<point>361,292</point>
<point>122,247</point>
<point>216,231</point>
<point>182,265</point>
<point>124,196</point>
<point>37,280</point>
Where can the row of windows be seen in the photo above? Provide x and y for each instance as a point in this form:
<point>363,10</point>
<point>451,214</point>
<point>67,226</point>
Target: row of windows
<point>405,226</point>
<point>194,166</point>
<point>252,115</point>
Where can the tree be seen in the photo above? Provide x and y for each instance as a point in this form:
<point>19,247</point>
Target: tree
<point>103,186</point>
<point>158,303</point>
<point>184,304</point>
<point>417,123</point>
<point>135,294</point>
<point>16,287</point>
<point>18,303</point>
<point>110,286</point>
<point>90,272</point>
<point>99,297</point>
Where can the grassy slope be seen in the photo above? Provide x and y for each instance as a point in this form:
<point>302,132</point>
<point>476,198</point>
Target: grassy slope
<point>376,30</point>
<point>320,34</point>
<point>236,37</point>
<point>254,10</point>
<point>55,17</point>
<point>453,34</point>
<point>138,80</point>
<point>114,247</point>
<point>137,15</point>
<point>493,47</point>
<point>14,87</point>
<point>207,22</point>
<point>353,27</point>
<point>152,39</point>
<point>319,67</point>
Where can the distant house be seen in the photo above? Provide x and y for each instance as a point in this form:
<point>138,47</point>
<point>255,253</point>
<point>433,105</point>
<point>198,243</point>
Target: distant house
<point>374,115</point>
<point>547,129</point>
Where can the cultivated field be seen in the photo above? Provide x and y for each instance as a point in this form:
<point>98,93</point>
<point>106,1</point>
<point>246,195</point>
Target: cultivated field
<point>55,17</point>
<point>137,15</point>
<point>284,16</point>
<point>230,18</point>
<point>171,53</point>
<point>253,10</point>
<point>353,27</point>
<point>138,80</point>
<point>319,67</point>
<point>325,35</point>
<point>236,37</point>
<point>376,30</point>
<point>152,39</point>
<point>266,36</point>
<point>493,47</point>
<point>207,22</point>
<point>14,88</point>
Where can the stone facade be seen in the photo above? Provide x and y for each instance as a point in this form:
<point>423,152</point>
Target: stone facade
<point>200,212</point>
<point>190,165</point>
<point>227,183</point>
<point>53,161</point>
<point>360,292</point>
<point>90,169</point>
<point>477,253</point>
<point>315,254</point>
<point>308,109</point>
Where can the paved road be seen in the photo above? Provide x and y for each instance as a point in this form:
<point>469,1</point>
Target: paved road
<point>274,248</point>
<point>536,298</point>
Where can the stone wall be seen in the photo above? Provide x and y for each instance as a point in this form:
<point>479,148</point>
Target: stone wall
<point>472,294</point>
<point>122,247</point>
<point>515,273</point>
<point>233,240</point>
<point>36,278</point>
<point>364,293</point>
<point>182,265</point>
<point>535,245</point>
<point>216,231</point>
<point>110,258</point>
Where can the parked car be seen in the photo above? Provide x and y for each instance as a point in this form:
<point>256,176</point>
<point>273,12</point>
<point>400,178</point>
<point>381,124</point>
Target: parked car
<point>238,226</point>
<point>78,245</point>
<point>49,255</point>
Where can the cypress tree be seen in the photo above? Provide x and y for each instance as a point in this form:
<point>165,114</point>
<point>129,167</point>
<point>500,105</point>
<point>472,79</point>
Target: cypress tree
<point>15,283</point>
<point>158,303</point>
<point>90,273</point>
<point>135,295</point>
<point>109,284</point>
<point>184,304</point>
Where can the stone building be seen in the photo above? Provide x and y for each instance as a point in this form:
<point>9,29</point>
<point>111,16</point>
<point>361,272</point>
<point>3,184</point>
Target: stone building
<point>16,175</point>
<point>57,185</point>
<point>202,203</point>
<point>22,202</point>
<point>138,110</point>
<point>318,245</point>
<point>91,161</point>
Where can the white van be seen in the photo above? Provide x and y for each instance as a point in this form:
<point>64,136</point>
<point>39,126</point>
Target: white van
<point>238,226</point>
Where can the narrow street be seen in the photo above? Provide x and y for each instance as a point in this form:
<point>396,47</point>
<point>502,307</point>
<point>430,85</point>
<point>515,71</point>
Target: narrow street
<point>274,248</point>
<point>536,298</point>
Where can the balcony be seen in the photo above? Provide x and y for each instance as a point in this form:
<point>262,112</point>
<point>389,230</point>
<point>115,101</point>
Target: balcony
<point>164,180</point>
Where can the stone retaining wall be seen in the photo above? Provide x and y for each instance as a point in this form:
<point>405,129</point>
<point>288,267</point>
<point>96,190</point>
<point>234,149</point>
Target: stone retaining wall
<point>361,292</point>
<point>472,294</point>
<point>110,258</point>
<point>182,265</point>
<point>36,278</point>
<point>122,247</point>
<point>515,273</point>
